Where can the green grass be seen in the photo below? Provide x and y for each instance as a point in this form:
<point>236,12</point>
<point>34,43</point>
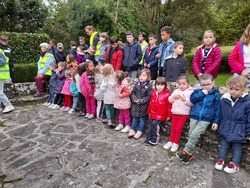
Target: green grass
<point>220,80</point>
<point>225,50</point>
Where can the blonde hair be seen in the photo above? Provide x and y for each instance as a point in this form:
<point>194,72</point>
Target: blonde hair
<point>147,72</point>
<point>209,31</point>
<point>238,81</point>
<point>68,73</point>
<point>62,64</point>
<point>97,68</point>
<point>108,71</point>
<point>245,38</point>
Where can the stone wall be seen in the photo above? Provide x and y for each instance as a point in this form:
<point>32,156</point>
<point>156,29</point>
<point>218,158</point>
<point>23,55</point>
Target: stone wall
<point>209,142</point>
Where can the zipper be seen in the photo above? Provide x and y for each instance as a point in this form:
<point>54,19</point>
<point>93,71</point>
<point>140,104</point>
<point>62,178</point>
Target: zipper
<point>202,107</point>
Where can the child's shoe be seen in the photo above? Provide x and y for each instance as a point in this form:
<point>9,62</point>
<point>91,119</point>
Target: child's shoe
<point>66,109</point>
<point>131,133</point>
<point>50,106</point>
<point>104,120</point>
<point>91,116</point>
<point>174,147</point>
<point>219,165</point>
<point>80,114</point>
<point>146,143</point>
<point>46,104</point>
<point>187,158</point>
<point>168,145</point>
<point>98,120</point>
<point>125,129</point>
<point>181,154</point>
<point>110,124</point>
<point>119,127</point>
<point>138,135</point>
<point>87,115</point>
<point>62,108</point>
<point>231,168</point>
<point>153,143</point>
<point>55,107</point>
<point>72,111</point>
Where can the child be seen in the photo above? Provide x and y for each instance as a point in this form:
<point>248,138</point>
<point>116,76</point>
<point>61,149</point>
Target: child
<point>150,61</point>
<point>98,92</point>
<point>52,84</point>
<point>181,105</point>
<point>234,127</point>
<point>206,109</point>
<point>80,55</point>
<point>107,86</point>
<point>175,66</point>
<point>165,48</point>
<point>72,50</point>
<point>66,92</point>
<point>132,55</point>
<point>81,99</point>
<point>71,62</point>
<point>122,101</point>
<point>159,110</point>
<point>90,55</point>
<point>140,100</point>
<point>104,38</point>
<point>82,43</point>
<point>208,56</point>
<point>87,84</point>
<point>59,53</point>
<point>74,93</point>
<point>143,43</point>
<point>60,79</point>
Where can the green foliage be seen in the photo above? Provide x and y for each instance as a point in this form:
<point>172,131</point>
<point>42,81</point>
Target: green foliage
<point>26,46</point>
<point>25,72</point>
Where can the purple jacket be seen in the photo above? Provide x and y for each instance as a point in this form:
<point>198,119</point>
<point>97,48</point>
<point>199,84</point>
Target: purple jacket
<point>60,79</point>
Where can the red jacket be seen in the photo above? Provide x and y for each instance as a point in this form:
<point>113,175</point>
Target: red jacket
<point>236,60</point>
<point>116,58</point>
<point>213,61</point>
<point>159,107</point>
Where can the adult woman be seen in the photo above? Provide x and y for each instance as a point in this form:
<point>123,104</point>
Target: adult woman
<point>43,64</point>
<point>94,39</point>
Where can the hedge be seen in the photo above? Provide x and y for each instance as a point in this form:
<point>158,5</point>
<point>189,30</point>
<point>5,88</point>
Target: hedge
<point>25,73</point>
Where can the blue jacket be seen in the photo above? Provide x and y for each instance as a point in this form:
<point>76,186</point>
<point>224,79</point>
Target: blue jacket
<point>60,56</point>
<point>165,49</point>
<point>206,107</point>
<point>149,57</point>
<point>52,80</point>
<point>73,89</point>
<point>132,55</point>
<point>235,118</point>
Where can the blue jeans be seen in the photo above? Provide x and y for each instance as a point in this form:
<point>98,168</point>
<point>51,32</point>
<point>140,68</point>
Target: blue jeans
<point>136,121</point>
<point>237,151</point>
<point>51,95</point>
<point>3,97</point>
<point>75,102</point>
<point>110,111</point>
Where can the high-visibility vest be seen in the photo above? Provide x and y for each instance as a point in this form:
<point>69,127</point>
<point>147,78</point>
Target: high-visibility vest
<point>144,43</point>
<point>98,46</point>
<point>4,69</point>
<point>43,61</point>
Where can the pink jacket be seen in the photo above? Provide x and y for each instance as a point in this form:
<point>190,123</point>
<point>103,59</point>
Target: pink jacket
<point>236,60</point>
<point>213,60</point>
<point>85,86</point>
<point>124,102</point>
<point>178,106</point>
<point>66,87</point>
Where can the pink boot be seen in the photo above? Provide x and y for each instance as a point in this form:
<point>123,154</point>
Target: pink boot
<point>138,135</point>
<point>131,133</point>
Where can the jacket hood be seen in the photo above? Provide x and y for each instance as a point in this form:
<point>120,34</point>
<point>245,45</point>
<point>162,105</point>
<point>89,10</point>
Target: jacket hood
<point>172,57</point>
<point>228,96</point>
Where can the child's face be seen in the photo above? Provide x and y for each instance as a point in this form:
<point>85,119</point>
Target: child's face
<point>60,68</point>
<point>179,49</point>
<point>130,38</point>
<point>81,42</point>
<point>78,50</point>
<point>143,77</point>
<point>102,39</point>
<point>160,87</point>
<point>91,51</point>
<point>236,91</point>
<point>114,45</point>
<point>208,39</point>
<point>140,38</point>
<point>67,75</point>
<point>91,67</point>
<point>101,70</point>
<point>52,68</point>
<point>165,36</point>
<point>60,49</point>
<point>67,58</point>
<point>152,41</point>
<point>207,84</point>
<point>183,84</point>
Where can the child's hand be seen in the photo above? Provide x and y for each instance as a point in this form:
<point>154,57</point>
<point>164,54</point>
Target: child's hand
<point>248,138</point>
<point>120,95</point>
<point>183,98</point>
<point>168,118</point>
<point>148,65</point>
<point>205,91</point>
<point>158,56</point>
<point>214,127</point>
<point>199,75</point>
<point>145,65</point>
<point>176,96</point>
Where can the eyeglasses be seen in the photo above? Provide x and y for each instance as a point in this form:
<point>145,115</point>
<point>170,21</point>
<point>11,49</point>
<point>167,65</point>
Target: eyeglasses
<point>206,85</point>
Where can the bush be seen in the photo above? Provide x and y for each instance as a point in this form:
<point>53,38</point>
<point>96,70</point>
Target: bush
<point>25,73</point>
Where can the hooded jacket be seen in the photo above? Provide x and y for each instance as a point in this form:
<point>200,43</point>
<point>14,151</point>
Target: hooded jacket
<point>149,57</point>
<point>114,57</point>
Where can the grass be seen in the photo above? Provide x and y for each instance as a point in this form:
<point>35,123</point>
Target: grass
<point>225,50</point>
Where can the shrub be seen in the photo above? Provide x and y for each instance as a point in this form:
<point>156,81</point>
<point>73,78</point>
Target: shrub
<point>25,73</point>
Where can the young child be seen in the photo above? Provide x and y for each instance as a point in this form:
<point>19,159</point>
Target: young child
<point>234,127</point>
<point>87,84</point>
<point>80,55</point>
<point>107,86</point>
<point>59,54</point>
<point>140,100</point>
<point>52,84</point>
<point>132,55</point>
<point>71,62</point>
<point>74,93</point>
<point>206,109</point>
<point>122,101</point>
<point>82,42</point>
<point>181,106</point>
<point>90,55</point>
<point>81,99</point>
<point>72,50</point>
<point>165,48</point>
<point>60,79</point>
<point>175,66</point>
<point>150,60</point>
<point>143,43</point>
<point>207,58</point>
<point>159,110</point>
<point>104,38</point>
<point>99,93</point>
<point>66,92</point>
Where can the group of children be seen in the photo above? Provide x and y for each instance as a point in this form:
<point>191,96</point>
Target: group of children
<point>97,88</point>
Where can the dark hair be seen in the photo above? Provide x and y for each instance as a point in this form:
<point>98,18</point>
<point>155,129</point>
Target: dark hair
<point>72,43</point>
<point>206,77</point>
<point>82,38</point>
<point>148,73</point>
<point>81,48</point>
<point>152,35</point>
<point>129,33</point>
<point>71,58</point>
<point>87,63</point>
<point>74,73</point>
<point>81,69</point>
<point>177,43</point>
<point>167,29</point>
<point>52,40</point>
<point>183,78</point>
<point>90,27</point>
<point>53,65</point>
<point>120,76</point>
<point>144,35</point>
<point>161,81</point>
<point>113,40</point>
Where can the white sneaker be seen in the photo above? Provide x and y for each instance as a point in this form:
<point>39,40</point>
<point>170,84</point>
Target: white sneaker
<point>91,116</point>
<point>119,127</point>
<point>8,109</point>
<point>174,147</point>
<point>168,145</point>
<point>46,104</point>
<point>231,168</point>
<point>50,106</point>
<point>87,115</point>
<point>125,129</point>
<point>55,107</point>
<point>219,165</point>
<point>71,111</point>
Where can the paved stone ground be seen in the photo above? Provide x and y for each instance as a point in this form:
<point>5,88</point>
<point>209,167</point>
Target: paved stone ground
<point>47,148</point>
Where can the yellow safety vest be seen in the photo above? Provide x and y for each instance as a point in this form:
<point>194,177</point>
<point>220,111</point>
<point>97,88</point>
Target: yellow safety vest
<point>43,61</point>
<point>4,69</point>
<point>144,43</point>
<point>98,46</point>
